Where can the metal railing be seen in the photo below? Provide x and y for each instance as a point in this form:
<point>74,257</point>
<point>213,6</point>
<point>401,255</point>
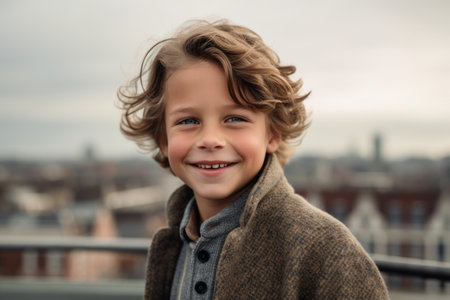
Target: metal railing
<point>425,269</point>
<point>130,245</point>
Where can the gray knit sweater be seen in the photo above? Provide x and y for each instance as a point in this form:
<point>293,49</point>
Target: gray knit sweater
<point>284,248</point>
<point>196,268</point>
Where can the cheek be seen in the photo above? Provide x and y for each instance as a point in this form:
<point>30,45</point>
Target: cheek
<point>252,145</point>
<point>177,148</point>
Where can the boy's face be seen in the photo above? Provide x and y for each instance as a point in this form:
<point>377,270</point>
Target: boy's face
<point>213,144</point>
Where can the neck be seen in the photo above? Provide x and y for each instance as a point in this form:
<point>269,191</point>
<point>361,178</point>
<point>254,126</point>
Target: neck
<point>208,208</point>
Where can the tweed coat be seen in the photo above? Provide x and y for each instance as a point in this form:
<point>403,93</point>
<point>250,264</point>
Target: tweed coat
<point>284,248</point>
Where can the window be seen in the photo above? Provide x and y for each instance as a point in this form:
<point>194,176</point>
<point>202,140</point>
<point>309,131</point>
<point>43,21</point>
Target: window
<point>418,216</point>
<point>395,215</point>
<point>339,210</point>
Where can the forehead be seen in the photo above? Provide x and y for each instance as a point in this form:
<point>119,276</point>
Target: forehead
<point>194,74</point>
<point>199,83</point>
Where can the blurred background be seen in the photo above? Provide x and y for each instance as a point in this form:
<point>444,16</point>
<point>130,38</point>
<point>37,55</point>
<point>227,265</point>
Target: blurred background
<point>377,154</point>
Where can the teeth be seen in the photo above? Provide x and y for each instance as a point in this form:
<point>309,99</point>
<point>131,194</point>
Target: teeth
<point>215,166</point>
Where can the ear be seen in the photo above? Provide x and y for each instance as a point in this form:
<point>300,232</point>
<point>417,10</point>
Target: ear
<point>274,142</point>
<point>163,147</point>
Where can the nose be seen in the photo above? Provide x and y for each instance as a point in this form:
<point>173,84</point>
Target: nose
<point>211,138</point>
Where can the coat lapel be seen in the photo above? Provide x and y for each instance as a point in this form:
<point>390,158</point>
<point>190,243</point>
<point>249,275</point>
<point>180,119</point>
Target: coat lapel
<point>165,248</point>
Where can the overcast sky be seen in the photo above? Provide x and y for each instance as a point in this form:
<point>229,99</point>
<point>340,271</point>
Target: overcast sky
<point>372,66</point>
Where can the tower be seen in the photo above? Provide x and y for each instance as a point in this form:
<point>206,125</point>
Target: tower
<point>377,151</point>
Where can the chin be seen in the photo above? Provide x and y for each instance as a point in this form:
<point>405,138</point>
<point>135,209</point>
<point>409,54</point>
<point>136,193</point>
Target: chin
<point>215,196</point>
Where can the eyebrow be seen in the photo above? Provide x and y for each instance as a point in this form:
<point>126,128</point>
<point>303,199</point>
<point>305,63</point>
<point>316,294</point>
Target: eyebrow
<point>188,109</point>
<point>181,110</point>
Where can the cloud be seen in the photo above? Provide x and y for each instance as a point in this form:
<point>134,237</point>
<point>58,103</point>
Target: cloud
<point>366,62</point>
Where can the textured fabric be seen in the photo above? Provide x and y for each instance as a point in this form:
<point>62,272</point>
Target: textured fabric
<point>192,228</point>
<point>197,262</point>
<point>284,248</point>
<point>180,288</point>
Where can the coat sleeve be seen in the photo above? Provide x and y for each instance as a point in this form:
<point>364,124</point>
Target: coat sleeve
<point>346,270</point>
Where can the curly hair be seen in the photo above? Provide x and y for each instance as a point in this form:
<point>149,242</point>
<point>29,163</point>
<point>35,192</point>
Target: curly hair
<point>255,78</point>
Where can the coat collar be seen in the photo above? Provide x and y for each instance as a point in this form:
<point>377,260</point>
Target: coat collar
<point>270,176</point>
<point>177,204</point>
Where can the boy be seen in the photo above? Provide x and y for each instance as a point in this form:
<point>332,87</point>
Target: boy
<point>220,110</point>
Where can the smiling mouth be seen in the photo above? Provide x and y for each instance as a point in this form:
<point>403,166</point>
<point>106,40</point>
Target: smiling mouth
<point>213,165</point>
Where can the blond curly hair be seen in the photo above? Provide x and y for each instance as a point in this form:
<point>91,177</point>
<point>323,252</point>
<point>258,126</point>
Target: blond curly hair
<point>256,80</point>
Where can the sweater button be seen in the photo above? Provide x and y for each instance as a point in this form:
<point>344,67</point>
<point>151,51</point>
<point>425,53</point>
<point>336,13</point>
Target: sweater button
<point>201,287</point>
<point>203,256</point>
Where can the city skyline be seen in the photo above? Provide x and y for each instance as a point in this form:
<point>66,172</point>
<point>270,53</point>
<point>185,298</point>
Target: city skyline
<point>371,66</point>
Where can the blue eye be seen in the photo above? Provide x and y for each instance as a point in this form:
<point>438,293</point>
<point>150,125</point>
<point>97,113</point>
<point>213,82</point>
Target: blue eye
<point>188,121</point>
<point>235,119</point>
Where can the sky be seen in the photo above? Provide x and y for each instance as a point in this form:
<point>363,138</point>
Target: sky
<point>371,66</point>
